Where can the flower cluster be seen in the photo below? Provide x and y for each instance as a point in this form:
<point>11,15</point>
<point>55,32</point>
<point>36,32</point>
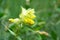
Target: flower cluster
<point>26,16</point>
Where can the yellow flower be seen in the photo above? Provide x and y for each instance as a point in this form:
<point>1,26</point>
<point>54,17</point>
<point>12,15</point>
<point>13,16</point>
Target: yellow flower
<point>29,21</point>
<point>16,20</point>
<point>27,16</point>
<point>27,13</point>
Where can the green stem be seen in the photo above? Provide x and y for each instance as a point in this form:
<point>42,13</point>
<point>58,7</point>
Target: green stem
<point>14,34</point>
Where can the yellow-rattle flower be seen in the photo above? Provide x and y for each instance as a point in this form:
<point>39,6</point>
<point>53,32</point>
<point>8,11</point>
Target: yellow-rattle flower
<point>27,15</point>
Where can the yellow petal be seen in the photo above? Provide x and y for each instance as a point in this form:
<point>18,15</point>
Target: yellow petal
<point>11,20</point>
<point>30,11</point>
<point>29,21</point>
<point>16,20</point>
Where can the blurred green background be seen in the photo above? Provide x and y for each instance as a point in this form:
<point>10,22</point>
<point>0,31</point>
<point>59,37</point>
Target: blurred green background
<point>45,10</point>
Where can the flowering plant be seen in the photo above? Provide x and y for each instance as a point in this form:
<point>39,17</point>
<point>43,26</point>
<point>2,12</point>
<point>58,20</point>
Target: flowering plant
<point>18,25</point>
